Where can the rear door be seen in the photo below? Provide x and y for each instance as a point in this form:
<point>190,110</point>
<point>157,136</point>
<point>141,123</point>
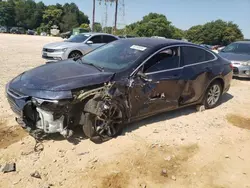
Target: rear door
<point>198,67</point>
<point>162,86</point>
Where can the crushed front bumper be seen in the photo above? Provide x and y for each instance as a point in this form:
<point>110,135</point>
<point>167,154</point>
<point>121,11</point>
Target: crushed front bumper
<point>32,117</point>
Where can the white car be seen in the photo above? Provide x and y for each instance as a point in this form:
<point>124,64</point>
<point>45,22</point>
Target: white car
<point>76,45</point>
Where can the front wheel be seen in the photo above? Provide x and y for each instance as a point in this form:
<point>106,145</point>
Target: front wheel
<point>75,54</point>
<point>105,126</point>
<point>213,95</point>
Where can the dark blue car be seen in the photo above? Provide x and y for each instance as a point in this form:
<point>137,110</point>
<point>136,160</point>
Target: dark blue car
<point>239,54</point>
<point>121,82</point>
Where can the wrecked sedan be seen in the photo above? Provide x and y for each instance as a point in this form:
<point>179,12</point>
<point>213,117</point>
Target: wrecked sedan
<point>121,82</point>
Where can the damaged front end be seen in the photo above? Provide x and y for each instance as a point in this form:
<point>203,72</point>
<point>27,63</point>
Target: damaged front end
<point>46,116</point>
<point>41,117</point>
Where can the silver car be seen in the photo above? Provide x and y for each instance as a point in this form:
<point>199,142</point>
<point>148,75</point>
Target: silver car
<point>76,45</point>
<point>239,54</point>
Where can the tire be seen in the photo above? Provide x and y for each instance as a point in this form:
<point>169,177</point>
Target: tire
<point>212,95</point>
<point>75,54</point>
<point>100,128</point>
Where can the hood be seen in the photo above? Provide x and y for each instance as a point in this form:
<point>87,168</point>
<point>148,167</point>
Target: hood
<point>60,45</point>
<point>235,56</point>
<point>60,76</point>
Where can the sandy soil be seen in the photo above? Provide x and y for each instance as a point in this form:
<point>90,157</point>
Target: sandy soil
<point>183,148</point>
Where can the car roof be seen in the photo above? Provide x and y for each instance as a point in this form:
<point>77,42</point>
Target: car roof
<point>243,42</point>
<point>95,33</point>
<point>155,42</point>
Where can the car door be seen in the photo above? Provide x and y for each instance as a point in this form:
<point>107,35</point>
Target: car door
<point>157,86</point>
<point>96,40</point>
<point>197,72</point>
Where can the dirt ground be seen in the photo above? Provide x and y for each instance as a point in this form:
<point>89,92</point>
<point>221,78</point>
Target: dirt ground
<point>183,148</point>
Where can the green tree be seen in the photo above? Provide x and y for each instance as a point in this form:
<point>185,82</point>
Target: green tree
<point>52,16</point>
<point>7,13</point>
<point>215,32</point>
<point>85,26</point>
<point>195,35</point>
<point>107,30</point>
<point>97,27</point>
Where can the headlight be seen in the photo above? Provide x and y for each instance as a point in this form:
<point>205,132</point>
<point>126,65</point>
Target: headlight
<point>61,50</point>
<point>246,63</point>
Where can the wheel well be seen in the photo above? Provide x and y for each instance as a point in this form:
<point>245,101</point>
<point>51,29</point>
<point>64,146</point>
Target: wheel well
<point>75,51</point>
<point>220,80</point>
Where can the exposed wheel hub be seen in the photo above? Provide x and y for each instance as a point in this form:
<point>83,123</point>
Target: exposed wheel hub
<point>107,124</point>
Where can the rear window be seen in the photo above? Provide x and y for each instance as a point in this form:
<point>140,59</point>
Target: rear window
<point>192,55</point>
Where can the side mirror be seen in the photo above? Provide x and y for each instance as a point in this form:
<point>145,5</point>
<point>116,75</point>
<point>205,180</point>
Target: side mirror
<point>89,42</point>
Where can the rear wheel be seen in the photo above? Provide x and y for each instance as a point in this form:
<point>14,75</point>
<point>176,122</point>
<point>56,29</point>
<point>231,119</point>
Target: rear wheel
<point>75,54</point>
<point>213,95</point>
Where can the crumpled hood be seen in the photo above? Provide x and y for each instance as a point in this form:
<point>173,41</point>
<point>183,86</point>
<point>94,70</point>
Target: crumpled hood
<point>235,56</point>
<point>61,45</point>
<point>60,76</point>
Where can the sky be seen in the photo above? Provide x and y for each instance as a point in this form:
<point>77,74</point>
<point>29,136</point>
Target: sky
<point>182,13</point>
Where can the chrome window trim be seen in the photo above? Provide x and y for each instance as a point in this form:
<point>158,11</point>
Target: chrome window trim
<point>171,46</point>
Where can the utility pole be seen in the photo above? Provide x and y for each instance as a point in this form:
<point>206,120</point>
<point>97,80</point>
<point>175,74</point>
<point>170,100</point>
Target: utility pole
<point>93,16</point>
<point>116,7</point>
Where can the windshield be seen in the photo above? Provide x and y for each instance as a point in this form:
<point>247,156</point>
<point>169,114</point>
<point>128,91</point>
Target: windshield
<point>116,55</point>
<point>240,48</point>
<point>77,38</point>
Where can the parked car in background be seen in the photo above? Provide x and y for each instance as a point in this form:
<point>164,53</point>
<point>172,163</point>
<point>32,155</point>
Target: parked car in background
<point>43,34</point>
<point>66,35</point>
<point>239,54</point>
<point>17,30</point>
<point>206,46</point>
<point>3,29</point>
<point>31,32</point>
<point>76,46</point>
<point>120,82</point>
<point>126,36</point>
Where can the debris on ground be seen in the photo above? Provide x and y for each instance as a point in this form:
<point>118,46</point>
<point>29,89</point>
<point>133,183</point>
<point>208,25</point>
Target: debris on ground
<point>83,153</point>
<point>143,185</point>
<point>200,108</point>
<point>227,157</point>
<point>155,131</point>
<point>9,168</point>
<point>164,172</point>
<point>173,178</point>
<point>36,175</point>
<point>167,158</point>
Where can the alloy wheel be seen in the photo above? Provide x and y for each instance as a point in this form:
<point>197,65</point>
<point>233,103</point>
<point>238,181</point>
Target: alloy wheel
<point>107,124</point>
<point>213,95</point>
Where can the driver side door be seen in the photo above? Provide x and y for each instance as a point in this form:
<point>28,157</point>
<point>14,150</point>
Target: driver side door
<point>158,84</point>
<point>96,40</point>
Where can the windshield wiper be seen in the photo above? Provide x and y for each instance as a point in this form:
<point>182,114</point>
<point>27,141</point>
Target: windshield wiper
<point>101,69</point>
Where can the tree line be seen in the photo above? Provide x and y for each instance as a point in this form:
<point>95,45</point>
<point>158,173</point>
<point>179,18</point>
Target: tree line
<point>31,15</point>
<point>212,33</point>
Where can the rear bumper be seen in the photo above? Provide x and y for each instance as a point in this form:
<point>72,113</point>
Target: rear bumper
<point>241,71</point>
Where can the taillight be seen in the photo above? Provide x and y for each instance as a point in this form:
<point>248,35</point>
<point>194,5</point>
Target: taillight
<point>231,66</point>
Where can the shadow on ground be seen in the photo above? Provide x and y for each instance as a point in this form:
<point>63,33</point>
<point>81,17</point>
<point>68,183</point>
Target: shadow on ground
<point>170,115</point>
<point>78,135</point>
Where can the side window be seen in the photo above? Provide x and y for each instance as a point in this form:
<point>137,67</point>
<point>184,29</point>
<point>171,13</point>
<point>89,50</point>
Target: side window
<point>164,60</point>
<point>96,39</point>
<point>209,56</point>
<point>107,38</point>
<point>191,55</point>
